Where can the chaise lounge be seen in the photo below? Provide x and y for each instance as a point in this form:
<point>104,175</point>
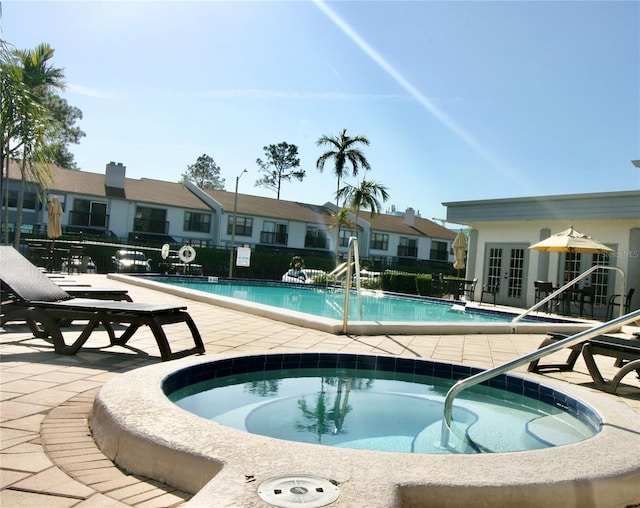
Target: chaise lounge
<point>625,351</point>
<point>29,295</point>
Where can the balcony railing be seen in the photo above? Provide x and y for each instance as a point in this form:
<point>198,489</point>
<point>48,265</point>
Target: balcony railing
<point>438,255</point>
<point>316,242</point>
<point>94,220</point>
<point>151,226</point>
<point>407,251</point>
<point>272,238</point>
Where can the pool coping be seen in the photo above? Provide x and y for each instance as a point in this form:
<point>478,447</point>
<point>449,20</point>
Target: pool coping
<point>335,326</point>
<point>138,428</point>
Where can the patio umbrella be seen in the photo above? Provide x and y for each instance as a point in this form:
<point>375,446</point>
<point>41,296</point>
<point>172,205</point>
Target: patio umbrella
<point>459,250</point>
<point>54,213</point>
<point>571,240</point>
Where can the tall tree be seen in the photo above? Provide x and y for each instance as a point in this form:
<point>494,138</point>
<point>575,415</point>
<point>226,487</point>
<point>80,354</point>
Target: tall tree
<point>63,131</point>
<point>280,165</point>
<point>205,173</point>
<point>346,154</point>
<point>39,77</point>
<point>366,196</point>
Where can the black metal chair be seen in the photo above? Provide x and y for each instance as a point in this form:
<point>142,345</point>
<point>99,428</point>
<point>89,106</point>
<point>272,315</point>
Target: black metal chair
<point>470,289</point>
<point>543,289</point>
<point>488,289</point>
<point>587,298</point>
<point>613,303</point>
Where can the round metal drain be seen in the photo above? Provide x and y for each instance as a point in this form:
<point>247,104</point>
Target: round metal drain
<point>294,491</point>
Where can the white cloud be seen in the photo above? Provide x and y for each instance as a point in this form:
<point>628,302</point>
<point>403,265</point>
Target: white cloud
<point>89,92</point>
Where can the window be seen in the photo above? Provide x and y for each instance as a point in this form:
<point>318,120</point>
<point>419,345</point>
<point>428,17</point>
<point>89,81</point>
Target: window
<point>151,220</point>
<point>88,213</point>
<point>379,241</point>
<point>316,238</point>
<point>273,233</point>
<point>199,222</point>
<point>244,226</point>
<point>345,234</point>
<point>600,278</point>
<point>572,266</point>
<point>439,251</point>
<point>407,247</point>
<point>30,200</point>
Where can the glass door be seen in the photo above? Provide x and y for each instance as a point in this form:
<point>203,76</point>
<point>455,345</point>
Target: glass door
<point>506,270</point>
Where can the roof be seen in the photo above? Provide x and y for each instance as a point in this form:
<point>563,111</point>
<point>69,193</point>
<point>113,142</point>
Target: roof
<point>601,205</point>
<point>317,214</point>
<point>144,190</point>
<point>274,208</point>
<point>421,227</point>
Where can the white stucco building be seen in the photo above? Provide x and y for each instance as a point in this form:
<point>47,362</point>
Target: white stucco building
<point>502,230</point>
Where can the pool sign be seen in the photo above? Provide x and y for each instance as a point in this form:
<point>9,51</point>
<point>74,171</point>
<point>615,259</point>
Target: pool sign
<point>243,258</point>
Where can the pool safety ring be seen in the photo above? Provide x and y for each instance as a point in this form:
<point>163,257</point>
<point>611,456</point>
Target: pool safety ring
<point>294,491</point>
<point>187,253</point>
<point>164,252</point>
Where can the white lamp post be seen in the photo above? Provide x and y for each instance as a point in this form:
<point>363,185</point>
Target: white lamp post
<point>233,225</point>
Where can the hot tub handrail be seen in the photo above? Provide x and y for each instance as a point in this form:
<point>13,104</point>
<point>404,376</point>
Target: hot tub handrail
<point>570,284</point>
<point>463,384</point>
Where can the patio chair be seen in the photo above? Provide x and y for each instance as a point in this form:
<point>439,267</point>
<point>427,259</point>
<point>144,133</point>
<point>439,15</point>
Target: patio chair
<point>542,290</point>
<point>625,351</point>
<point>470,289</point>
<point>613,303</point>
<point>587,298</point>
<point>30,296</point>
<point>491,290</point>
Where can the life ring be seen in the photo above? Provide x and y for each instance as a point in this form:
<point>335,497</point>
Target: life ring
<point>187,253</point>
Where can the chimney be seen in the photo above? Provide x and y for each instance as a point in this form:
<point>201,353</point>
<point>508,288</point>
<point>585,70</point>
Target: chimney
<point>114,179</point>
<point>409,215</point>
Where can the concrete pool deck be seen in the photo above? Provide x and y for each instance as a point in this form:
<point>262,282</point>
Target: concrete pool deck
<point>48,457</point>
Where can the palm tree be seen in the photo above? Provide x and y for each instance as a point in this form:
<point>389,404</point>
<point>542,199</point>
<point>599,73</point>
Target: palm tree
<point>346,153</point>
<point>38,78</point>
<point>367,195</point>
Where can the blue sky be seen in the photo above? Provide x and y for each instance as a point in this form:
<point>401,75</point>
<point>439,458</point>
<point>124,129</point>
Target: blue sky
<point>460,100</point>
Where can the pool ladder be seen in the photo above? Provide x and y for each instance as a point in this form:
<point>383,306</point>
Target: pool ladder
<point>353,261</point>
<point>463,384</point>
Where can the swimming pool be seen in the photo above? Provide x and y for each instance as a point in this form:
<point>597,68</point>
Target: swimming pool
<point>535,324</point>
<point>395,410</point>
<point>329,303</point>
<point>413,315</point>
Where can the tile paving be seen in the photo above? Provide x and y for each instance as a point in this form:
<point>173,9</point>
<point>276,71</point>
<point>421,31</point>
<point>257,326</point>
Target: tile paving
<point>47,455</point>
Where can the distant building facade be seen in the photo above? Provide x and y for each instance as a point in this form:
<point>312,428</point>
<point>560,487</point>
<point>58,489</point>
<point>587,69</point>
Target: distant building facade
<point>118,207</point>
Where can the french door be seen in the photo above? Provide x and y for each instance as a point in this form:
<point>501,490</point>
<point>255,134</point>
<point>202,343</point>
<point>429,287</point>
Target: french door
<point>506,269</point>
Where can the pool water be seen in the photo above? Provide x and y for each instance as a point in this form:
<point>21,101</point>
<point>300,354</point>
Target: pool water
<point>329,303</point>
<point>374,410</point>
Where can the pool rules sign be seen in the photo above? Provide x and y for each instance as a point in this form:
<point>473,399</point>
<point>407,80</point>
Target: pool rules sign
<point>243,257</point>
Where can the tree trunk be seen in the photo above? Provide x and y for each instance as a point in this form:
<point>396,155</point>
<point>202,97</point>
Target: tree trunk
<point>16,240</point>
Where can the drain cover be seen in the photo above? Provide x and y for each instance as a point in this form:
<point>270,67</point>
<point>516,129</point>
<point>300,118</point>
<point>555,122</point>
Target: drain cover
<point>294,491</point>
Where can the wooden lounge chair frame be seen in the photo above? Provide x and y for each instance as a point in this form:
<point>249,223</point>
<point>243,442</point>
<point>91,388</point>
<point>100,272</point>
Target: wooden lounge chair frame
<point>44,306</point>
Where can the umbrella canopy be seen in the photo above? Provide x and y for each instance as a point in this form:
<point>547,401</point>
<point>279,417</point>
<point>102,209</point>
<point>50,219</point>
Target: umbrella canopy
<point>459,249</point>
<point>571,240</point>
<point>54,213</point>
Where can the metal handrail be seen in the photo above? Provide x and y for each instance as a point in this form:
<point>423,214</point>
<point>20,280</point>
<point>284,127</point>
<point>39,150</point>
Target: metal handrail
<point>571,283</point>
<point>352,250</point>
<point>609,326</point>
